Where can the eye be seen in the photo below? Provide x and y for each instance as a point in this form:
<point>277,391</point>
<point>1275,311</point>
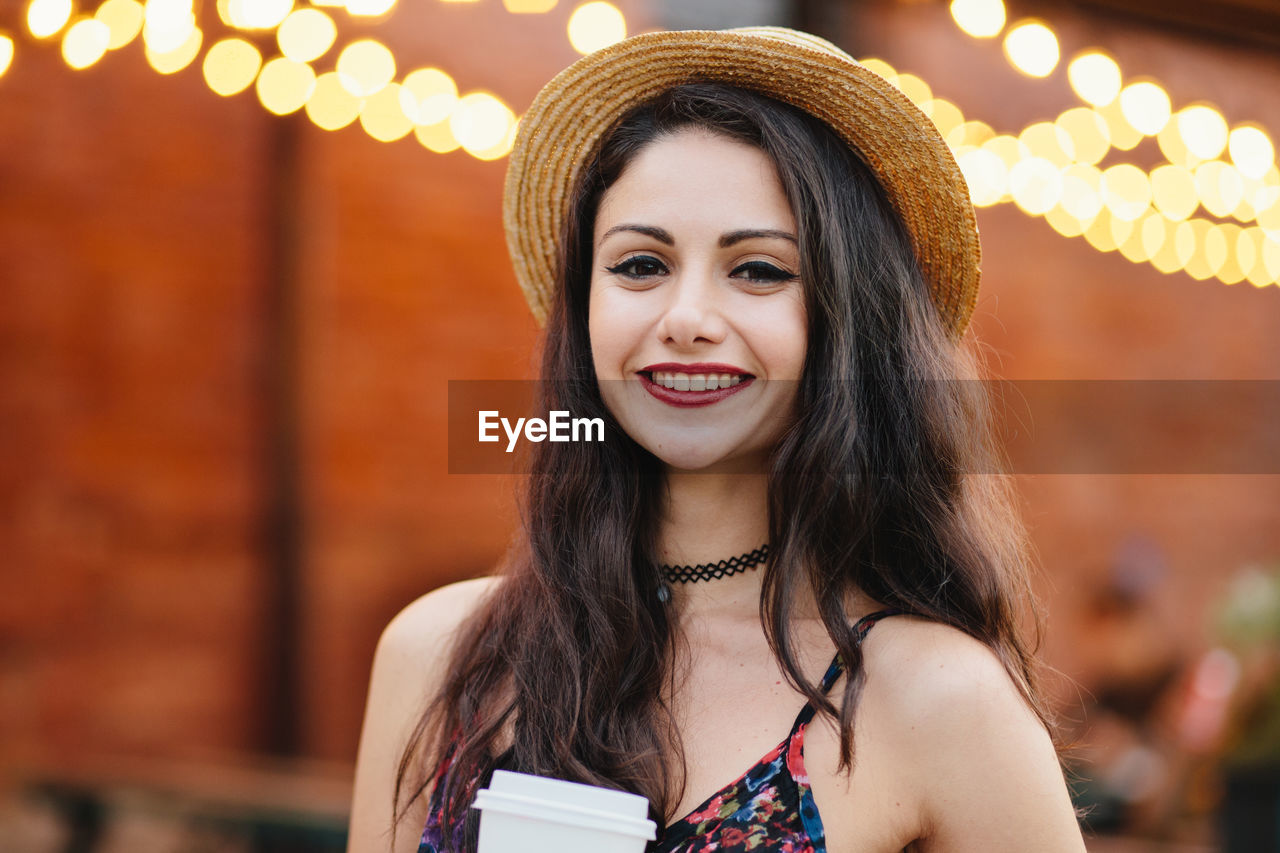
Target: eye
<point>638,267</point>
<point>763,272</point>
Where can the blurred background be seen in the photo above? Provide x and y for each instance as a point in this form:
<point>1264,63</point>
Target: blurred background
<point>245,245</point>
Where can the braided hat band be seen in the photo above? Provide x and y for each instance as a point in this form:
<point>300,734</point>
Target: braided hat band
<point>890,134</point>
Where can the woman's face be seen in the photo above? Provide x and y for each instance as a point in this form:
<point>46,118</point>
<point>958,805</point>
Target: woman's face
<point>697,316</point>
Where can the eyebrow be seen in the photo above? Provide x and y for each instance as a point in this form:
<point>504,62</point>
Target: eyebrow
<point>659,234</point>
<point>726,240</point>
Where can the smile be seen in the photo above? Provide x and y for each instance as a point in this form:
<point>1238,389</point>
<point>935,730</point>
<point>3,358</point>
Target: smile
<point>697,385</point>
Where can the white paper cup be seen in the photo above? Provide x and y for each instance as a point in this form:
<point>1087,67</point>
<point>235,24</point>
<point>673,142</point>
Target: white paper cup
<point>520,813</point>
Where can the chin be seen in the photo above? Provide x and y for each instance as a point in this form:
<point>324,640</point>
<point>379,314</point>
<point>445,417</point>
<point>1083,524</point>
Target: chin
<point>698,457</point>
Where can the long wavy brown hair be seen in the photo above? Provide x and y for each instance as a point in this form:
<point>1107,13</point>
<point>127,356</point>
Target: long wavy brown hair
<point>561,671</point>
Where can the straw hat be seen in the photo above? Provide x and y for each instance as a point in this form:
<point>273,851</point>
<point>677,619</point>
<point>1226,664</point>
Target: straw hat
<point>898,142</point>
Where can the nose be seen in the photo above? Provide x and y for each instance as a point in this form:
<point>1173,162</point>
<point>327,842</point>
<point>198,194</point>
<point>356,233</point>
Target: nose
<point>694,313</point>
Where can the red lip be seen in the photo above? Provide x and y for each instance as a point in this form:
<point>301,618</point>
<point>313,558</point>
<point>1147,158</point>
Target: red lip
<point>696,367</point>
<point>692,399</point>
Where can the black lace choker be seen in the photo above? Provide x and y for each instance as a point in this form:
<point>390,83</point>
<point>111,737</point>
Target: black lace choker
<point>710,571</point>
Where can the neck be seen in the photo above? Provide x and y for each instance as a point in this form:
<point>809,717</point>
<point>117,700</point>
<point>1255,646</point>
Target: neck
<point>711,517</point>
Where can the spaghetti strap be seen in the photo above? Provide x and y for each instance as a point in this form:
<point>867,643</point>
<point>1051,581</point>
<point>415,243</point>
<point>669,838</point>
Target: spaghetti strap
<point>860,629</point>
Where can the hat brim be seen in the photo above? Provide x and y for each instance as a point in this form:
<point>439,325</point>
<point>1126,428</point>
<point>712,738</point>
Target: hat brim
<point>892,136</point>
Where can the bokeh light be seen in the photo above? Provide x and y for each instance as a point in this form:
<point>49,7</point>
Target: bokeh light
<point>1065,223</point>
<point>972,133</point>
<point>1173,192</point>
<point>1203,131</point>
<point>306,35</point>
<point>502,149</point>
<point>1089,134</point>
<point>1032,48</point>
<point>1124,135</point>
<point>6,53</point>
<point>1229,270</point>
<point>85,42</point>
<point>1197,265</point>
<point>369,8</point>
<point>1146,106</point>
<point>382,117</point>
<point>1095,77</point>
<point>284,85</point>
<point>428,96</point>
<point>1251,150</point>
<point>1048,141</point>
<point>258,14</point>
<point>1081,192</point>
<point>480,121</point>
<point>1126,191</point>
<point>123,19</point>
<point>986,175</point>
<point>365,67</point>
<point>528,7</point>
<point>916,90</point>
<point>1100,234</point>
<point>437,137</point>
<point>168,27</point>
<point>173,61</point>
<point>231,65</point>
<point>946,116</point>
<point>880,68</point>
<point>595,25</point>
<point>1219,186</point>
<point>979,18</point>
<point>1035,184</point>
<point>331,106</point>
<point>47,17</point>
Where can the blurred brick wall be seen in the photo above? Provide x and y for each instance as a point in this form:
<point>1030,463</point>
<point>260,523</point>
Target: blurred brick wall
<point>136,255</point>
<point>136,238</point>
<point>1055,308</point>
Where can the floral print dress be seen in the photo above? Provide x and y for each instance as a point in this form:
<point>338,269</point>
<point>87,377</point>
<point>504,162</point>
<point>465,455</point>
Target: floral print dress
<point>767,808</point>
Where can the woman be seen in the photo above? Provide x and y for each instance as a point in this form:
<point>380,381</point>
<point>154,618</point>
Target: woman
<point>755,260</point>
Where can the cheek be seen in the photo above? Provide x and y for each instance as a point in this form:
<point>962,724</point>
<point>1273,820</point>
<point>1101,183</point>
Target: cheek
<point>603,336</point>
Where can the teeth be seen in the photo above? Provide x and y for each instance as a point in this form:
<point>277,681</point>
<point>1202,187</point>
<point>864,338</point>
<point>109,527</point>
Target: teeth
<point>695,381</point>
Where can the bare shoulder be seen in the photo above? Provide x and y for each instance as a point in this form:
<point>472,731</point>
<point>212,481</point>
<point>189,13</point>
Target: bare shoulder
<point>925,669</point>
<point>429,621</point>
<point>979,757</point>
<point>408,667</point>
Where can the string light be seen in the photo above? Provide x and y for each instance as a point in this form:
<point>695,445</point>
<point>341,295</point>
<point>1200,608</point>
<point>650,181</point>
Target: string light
<point>258,14</point>
<point>370,8</point>
<point>46,18</point>
<point>174,60</point>
<point>528,7</point>
<point>365,67</point>
<point>1146,107</point>
<point>331,106</point>
<point>979,18</point>
<point>1095,77</point>
<point>1203,131</point>
<point>1049,169</point>
<point>231,65</point>
<point>1251,150</point>
<point>123,19</point>
<point>1142,217</point>
<point>428,96</point>
<point>85,42</point>
<point>284,86</point>
<point>383,118</point>
<point>1032,48</point>
<point>6,53</point>
<point>595,25</point>
<point>167,28</point>
<point>306,35</point>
